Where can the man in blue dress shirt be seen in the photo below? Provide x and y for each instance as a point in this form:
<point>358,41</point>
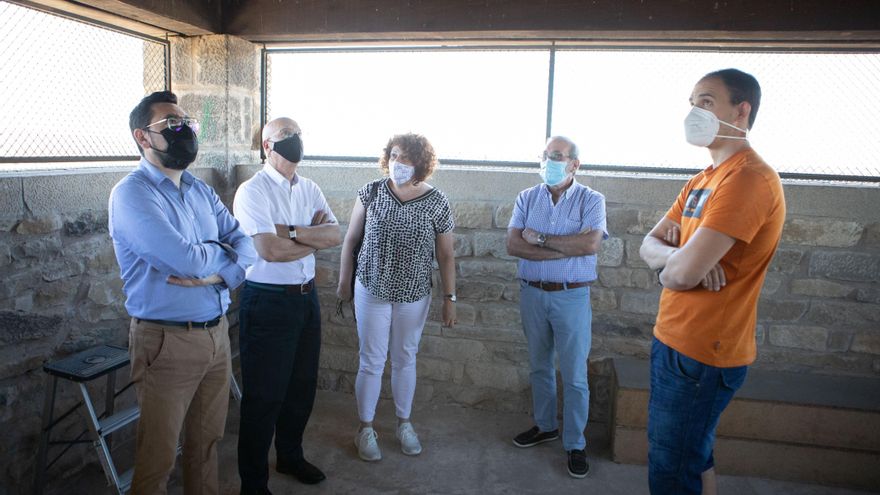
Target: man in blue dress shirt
<point>556,229</point>
<point>180,251</point>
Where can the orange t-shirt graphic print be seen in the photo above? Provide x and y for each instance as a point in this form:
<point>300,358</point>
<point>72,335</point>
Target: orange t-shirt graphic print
<point>742,198</point>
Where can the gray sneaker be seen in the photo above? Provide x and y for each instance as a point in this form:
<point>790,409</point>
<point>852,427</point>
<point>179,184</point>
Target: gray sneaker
<point>409,441</point>
<point>368,448</point>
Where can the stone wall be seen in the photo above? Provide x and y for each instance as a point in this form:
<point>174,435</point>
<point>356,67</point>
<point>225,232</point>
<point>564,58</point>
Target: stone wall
<point>819,311</point>
<point>62,292</point>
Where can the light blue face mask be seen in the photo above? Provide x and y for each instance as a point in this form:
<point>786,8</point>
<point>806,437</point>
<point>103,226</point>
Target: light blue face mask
<point>553,172</point>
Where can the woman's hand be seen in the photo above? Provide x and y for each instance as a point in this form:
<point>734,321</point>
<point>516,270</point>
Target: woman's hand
<point>343,290</point>
<point>449,319</point>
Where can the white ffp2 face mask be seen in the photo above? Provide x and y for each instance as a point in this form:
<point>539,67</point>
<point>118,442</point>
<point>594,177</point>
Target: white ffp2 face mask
<point>701,127</point>
<point>401,173</point>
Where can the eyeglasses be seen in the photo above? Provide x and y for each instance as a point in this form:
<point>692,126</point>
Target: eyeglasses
<point>554,155</point>
<point>396,155</point>
<point>177,123</point>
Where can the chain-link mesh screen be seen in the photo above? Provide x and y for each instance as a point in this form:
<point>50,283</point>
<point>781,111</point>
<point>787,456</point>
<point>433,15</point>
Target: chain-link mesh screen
<point>68,86</point>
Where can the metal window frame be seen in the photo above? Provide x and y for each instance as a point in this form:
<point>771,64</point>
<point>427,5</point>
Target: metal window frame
<point>552,46</point>
<point>166,44</point>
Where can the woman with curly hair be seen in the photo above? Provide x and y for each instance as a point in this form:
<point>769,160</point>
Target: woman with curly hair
<point>404,223</point>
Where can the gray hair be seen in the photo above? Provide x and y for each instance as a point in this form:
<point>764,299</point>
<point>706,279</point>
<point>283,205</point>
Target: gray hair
<point>573,151</point>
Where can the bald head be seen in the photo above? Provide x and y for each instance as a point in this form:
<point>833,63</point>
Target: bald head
<point>573,151</point>
<point>280,128</point>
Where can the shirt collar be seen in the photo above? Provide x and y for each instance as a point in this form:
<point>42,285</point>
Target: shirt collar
<point>156,176</point>
<point>546,189</point>
<point>278,178</point>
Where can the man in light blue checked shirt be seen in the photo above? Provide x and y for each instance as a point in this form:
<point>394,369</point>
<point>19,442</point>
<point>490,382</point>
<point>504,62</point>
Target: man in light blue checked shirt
<point>556,230</point>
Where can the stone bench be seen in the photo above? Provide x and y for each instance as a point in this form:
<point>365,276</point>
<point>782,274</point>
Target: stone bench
<point>791,426</point>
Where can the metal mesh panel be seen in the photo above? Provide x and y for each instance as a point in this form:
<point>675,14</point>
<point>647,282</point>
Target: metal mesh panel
<point>68,86</point>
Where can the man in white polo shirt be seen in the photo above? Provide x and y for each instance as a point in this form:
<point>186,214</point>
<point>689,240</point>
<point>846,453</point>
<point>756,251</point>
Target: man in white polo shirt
<point>280,319</point>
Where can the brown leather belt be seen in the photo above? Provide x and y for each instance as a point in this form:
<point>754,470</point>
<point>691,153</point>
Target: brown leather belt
<point>555,286</point>
<point>301,289</point>
<point>187,324</point>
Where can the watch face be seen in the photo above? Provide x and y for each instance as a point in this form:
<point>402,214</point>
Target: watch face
<point>451,297</point>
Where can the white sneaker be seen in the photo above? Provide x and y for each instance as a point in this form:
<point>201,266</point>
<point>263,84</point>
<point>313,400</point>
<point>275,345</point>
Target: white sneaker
<point>368,448</point>
<point>409,441</point>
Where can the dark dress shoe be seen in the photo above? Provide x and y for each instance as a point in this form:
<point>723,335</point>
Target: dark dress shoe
<point>255,491</point>
<point>302,470</point>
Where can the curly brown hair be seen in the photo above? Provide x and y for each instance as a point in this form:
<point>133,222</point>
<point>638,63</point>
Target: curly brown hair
<point>417,151</point>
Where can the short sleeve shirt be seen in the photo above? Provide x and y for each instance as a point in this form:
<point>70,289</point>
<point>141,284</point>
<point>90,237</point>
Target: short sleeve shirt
<point>743,199</point>
<point>396,258</point>
<point>579,208</point>
<point>268,198</point>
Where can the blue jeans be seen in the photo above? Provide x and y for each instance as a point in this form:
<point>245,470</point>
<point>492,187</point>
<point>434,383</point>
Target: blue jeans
<point>559,323</point>
<point>687,398</point>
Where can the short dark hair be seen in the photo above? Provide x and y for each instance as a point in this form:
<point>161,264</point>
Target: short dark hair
<point>143,112</point>
<point>742,87</point>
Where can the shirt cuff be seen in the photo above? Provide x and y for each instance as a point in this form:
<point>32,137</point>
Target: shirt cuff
<point>232,275</point>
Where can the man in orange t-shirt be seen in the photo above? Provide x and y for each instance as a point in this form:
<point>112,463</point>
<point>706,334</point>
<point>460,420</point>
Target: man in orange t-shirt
<point>711,250</point>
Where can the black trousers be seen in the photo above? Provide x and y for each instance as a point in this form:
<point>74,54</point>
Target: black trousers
<point>280,342</point>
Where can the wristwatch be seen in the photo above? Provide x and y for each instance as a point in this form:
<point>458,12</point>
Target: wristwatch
<point>451,297</point>
<point>541,240</point>
<point>292,231</point>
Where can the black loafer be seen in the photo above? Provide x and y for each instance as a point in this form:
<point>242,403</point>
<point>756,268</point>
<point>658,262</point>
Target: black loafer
<point>302,470</point>
<point>578,467</point>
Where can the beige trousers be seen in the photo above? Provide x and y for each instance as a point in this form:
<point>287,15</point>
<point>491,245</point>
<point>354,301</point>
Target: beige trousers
<point>182,381</point>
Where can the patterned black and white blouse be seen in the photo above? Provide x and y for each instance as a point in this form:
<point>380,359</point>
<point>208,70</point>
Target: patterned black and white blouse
<point>396,258</point>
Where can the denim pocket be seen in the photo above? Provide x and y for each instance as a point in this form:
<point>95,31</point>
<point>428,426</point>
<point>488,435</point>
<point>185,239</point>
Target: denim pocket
<point>733,378</point>
<point>689,368</point>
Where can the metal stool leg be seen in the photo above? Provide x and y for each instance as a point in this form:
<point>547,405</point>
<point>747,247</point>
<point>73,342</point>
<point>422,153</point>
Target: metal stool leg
<point>233,386</point>
<point>100,442</point>
<point>48,417</point>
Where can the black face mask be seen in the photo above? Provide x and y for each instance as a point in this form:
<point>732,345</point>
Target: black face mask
<point>183,146</point>
<point>290,148</point>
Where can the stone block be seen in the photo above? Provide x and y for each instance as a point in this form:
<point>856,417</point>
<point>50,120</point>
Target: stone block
<point>819,288</point>
<point>87,222</point>
<point>462,246</point>
<point>244,62</point>
<point>464,313</point>
<point>341,207</point>
<point>508,352</point>
<point>42,224</point>
<point>645,303</point>
<point>210,59</point>
<point>210,109</point>
<point>786,260</point>
<point>646,221</point>
<point>327,275</point>
<point>43,248</point>
<point>5,255</point>
<point>492,244</point>
<point>821,232</point>
<point>499,376</point>
<point>17,327</point>
<point>799,337</point>
<point>778,310</point>
<point>340,335</point>
<point>602,299</point>
<point>473,214</point>
<point>434,369</point>
<point>772,283</point>
<point>621,220</point>
<point>451,349</point>
<point>611,252</point>
<point>106,293</point>
<point>236,132</point>
<point>632,253</point>
<point>502,216</point>
<point>500,315</point>
<point>505,270</point>
<point>760,334</point>
<point>57,270</point>
<point>868,295</point>
<point>868,343</point>
<point>839,341</point>
<point>182,61</point>
<point>8,222</point>
<point>637,278</point>
<point>854,267</point>
<point>484,334</point>
<point>339,358</point>
<point>480,291</point>
<point>629,327</point>
<point>511,292</point>
<point>11,205</point>
<point>872,235</point>
<point>847,314</point>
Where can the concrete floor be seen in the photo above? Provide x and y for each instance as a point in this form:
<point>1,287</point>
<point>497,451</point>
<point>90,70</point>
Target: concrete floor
<point>465,451</point>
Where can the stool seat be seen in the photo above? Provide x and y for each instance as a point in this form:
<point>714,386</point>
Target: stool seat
<point>89,364</point>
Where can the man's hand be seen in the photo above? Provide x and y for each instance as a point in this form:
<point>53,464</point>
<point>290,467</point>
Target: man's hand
<point>673,236</point>
<point>320,217</point>
<point>530,236</point>
<point>715,279</point>
<point>195,282</point>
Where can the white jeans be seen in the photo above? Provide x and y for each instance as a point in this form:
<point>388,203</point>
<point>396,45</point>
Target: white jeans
<point>379,323</point>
